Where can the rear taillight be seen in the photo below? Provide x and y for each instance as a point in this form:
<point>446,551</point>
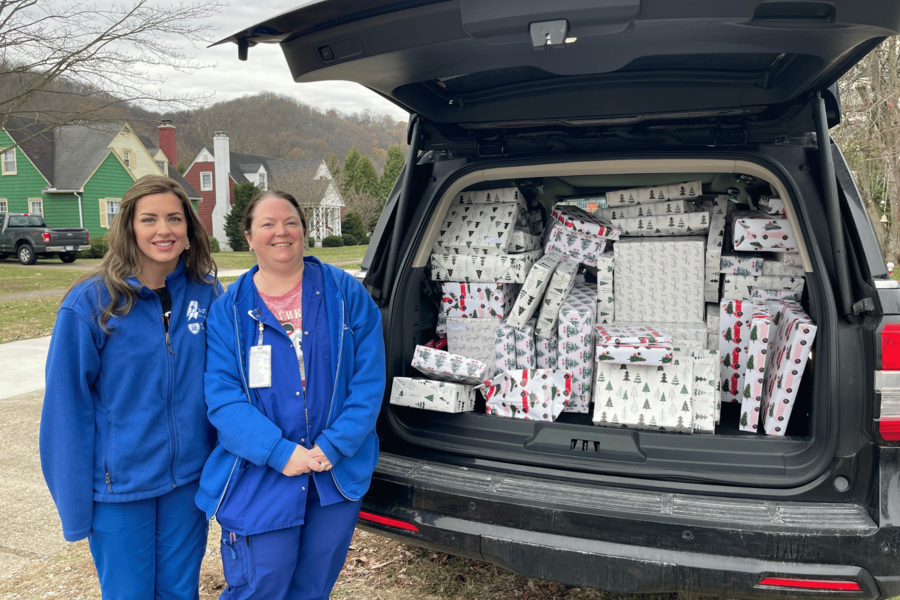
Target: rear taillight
<point>45,236</point>
<point>887,383</point>
<point>812,584</point>
<point>365,516</point>
<point>89,237</point>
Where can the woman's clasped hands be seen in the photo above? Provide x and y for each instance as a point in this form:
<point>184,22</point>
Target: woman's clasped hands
<point>303,461</point>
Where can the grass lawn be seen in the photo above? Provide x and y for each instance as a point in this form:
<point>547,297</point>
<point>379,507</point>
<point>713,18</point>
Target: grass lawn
<point>245,260</point>
<point>27,319</point>
<point>15,279</point>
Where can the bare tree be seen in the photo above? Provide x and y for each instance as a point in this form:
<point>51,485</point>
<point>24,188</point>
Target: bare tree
<point>62,62</point>
<point>314,194</point>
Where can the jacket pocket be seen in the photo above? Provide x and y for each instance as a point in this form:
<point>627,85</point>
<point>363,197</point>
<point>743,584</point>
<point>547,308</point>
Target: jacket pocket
<point>235,559</point>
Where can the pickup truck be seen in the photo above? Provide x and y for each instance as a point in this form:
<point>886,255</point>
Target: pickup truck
<point>29,238</point>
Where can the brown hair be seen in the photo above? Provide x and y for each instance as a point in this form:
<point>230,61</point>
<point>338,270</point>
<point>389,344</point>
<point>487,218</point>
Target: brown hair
<point>124,258</point>
<point>260,196</point>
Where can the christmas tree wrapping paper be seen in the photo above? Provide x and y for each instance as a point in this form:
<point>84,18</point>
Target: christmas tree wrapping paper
<point>766,294</point>
<point>707,399</point>
<point>645,397</point>
<point>718,219</point>
<point>505,348</point>
<point>579,247</point>
<point>784,370</point>
<point>525,345</point>
<point>503,268</point>
<point>561,283</point>
<point>478,300</point>
<point>658,209</point>
<point>741,286</point>
<point>473,338</point>
<point>480,229</point>
<point>606,304</point>
<point>732,264</point>
<point>442,365</point>
<point>576,348</point>
<point>439,396</point>
<point>755,368</point>
<point>759,231</point>
<point>659,280</point>
<point>734,319</point>
<point>633,334</point>
<point>494,196</point>
<point>771,205</point>
<point>532,292</point>
<point>791,259</point>
<point>529,394</point>
<point>774,267</point>
<point>523,241</point>
<point>664,225</point>
<point>654,194</point>
<point>634,354</point>
<point>681,333</point>
<point>575,219</point>
<point>546,353</point>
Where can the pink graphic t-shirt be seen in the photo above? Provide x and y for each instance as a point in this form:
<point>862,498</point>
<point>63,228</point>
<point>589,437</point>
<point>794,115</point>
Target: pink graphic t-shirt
<point>288,309</point>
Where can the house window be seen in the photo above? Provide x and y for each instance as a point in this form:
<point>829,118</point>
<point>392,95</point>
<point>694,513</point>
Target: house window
<point>112,209</point>
<point>161,165</point>
<point>9,162</point>
<point>206,182</point>
<point>262,181</point>
<point>4,206</point>
<point>36,205</point>
<point>127,158</point>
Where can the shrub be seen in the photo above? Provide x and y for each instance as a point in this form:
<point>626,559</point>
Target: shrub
<point>311,241</point>
<point>99,246</point>
<point>333,241</point>
<point>353,224</point>
<point>214,245</point>
<point>349,239</point>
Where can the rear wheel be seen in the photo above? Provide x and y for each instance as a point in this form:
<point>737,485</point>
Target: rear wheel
<point>68,258</point>
<point>26,255</point>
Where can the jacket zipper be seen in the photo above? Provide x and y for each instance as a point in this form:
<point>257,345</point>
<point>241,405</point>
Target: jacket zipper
<point>171,384</point>
<point>333,392</point>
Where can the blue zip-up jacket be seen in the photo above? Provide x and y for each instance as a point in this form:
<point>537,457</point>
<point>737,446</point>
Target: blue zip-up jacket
<point>123,416</point>
<point>356,388</point>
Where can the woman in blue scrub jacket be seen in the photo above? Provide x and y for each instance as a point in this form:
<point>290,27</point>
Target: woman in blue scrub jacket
<point>295,375</point>
<point>124,434</point>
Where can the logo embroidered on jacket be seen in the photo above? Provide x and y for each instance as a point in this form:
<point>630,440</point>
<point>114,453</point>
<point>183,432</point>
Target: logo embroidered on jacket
<point>193,311</point>
<point>194,328</point>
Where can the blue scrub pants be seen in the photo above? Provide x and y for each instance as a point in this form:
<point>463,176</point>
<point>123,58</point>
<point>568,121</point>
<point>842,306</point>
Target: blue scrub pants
<point>297,563</point>
<point>150,549</point>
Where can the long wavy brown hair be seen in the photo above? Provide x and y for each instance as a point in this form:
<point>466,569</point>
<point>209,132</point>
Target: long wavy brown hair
<point>124,258</point>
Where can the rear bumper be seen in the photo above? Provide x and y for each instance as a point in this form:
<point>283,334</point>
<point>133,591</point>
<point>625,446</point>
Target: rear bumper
<point>75,248</point>
<point>610,539</point>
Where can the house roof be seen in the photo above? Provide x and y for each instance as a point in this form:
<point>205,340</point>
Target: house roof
<point>36,141</point>
<point>180,180</point>
<point>78,151</point>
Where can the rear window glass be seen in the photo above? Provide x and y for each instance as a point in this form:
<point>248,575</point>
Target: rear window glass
<point>25,221</point>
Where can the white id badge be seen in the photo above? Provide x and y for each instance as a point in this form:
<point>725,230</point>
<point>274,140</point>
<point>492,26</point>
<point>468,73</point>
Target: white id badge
<point>261,366</point>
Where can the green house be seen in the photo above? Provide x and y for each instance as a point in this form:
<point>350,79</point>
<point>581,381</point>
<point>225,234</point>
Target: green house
<point>74,175</point>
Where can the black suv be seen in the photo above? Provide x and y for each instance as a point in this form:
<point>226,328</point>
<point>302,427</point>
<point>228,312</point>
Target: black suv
<point>571,99</point>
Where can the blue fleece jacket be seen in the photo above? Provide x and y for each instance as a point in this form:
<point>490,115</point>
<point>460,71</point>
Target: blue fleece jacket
<point>246,431</point>
<point>123,416</point>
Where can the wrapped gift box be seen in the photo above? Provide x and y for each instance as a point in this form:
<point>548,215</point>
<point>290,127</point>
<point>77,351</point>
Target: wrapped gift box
<point>580,247</point>
<point>771,205</point>
<point>546,354</point>
<point>606,304</point>
<point>776,268</point>
<point>734,318</point>
<point>645,397</point>
<point>633,334</point>
<point>791,259</point>
<point>741,286</point>
<point>525,345</point>
<point>732,264</point>
<point>765,294</point>
<point>575,219</point>
<point>473,338</point>
<point>718,219</point>
<point>755,367</point>
<point>480,229</point>
<point>524,241</point>
<point>503,268</point>
<point>530,394</point>
<point>576,347</point>
<point>633,354</point>
<point>653,194</point>
<point>707,399</point>
<point>665,225</point>
<point>681,333</point>
<point>495,196</point>
<point>439,396</point>
<point>478,300</point>
<point>784,369</point>
<point>561,283</point>
<point>759,231</point>
<point>442,365</point>
<point>505,348</point>
<point>658,209</point>
<point>659,280</point>
<point>533,289</point>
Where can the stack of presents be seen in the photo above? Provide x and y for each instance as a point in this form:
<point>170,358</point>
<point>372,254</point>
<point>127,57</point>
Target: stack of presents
<point>648,314</point>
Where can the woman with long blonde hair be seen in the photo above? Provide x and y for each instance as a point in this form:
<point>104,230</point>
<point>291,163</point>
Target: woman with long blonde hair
<point>124,433</point>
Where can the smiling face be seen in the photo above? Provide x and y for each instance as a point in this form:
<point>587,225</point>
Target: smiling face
<point>276,233</point>
<point>160,230</point>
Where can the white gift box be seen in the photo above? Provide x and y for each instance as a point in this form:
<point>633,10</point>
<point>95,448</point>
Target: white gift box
<point>606,304</point>
<point>755,367</point>
<point>478,300</point>
<point>533,289</point>
<point>658,209</point>
<point>659,280</point>
<point>718,218</point>
<point>485,229</point>
<point>712,318</point>
<point>759,231</point>
<point>579,247</point>
<point>634,354</point>
<point>505,348</point>
<point>575,348</point>
<point>472,338</point>
<point>529,394</point>
<point>440,396</point>
<point>442,365</point>
<point>523,241</point>
<point>561,283</point>
<point>776,268</point>
<point>525,346</point>
<point>664,225</point>
<point>791,259</point>
<point>681,333</point>
<point>655,193</point>
<point>734,318</point>
<point>503,268</point>
<point>494,196</point>
<point>741,286</point>
<point>546,353</point>
<point>575,219</point>
<point>764,294</point>
<point>633,334</point>
<point>784,368</point>
<point>707,401</point>
<point>731,264</point>
<point>771,205</point>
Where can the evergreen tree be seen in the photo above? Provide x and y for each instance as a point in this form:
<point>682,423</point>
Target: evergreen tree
<point>365,177</point>
<point>744,420</point>
<point>353,225</point>
<point>334,165</point>
<point>392,168</point>
<point>351,161</point>
<point>234,229</point>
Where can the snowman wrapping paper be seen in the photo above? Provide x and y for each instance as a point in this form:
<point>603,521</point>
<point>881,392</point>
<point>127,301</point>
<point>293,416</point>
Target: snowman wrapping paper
<point>533,289</point>
<point>741,286</point>
<point>664,225</point>
<point>480,229</point>
<point>658,209</point>
<point>438,396</point>
<point>502,268</point>
<point>653,194</point>
<point>575,347</point>
<point>572,218</point>
<point>439,364</point>
<point>529,394</point>
<point>734,319</point>
<point>606,304</point>
<point>760,331</point>
<point>759,231</point>
<point>561,283</point>
<point>579,247</point>
<point>478,300</point>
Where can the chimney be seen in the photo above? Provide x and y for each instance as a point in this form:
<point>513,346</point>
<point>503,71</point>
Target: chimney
<point>166,132</point>
<point>221,179</point>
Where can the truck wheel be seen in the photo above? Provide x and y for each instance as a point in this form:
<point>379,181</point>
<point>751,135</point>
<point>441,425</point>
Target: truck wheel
<point>68,258</point>
<point>26,255</point>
